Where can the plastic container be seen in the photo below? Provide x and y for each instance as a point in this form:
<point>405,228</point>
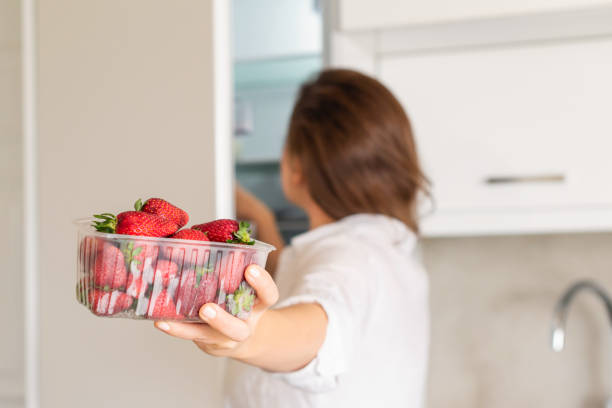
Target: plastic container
<point>161,278</point>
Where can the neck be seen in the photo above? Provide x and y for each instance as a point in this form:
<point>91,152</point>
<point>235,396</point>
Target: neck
<point>317,216</point>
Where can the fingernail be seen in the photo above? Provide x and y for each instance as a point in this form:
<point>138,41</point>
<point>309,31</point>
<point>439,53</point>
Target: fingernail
<point>209,312</point>
<point>163,326</point>
<point>254,271</point>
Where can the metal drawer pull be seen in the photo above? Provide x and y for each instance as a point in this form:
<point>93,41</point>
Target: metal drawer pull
<point>537,178</point>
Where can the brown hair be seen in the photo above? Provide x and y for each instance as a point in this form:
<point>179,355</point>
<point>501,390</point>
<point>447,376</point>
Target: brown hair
<point>355,145</point>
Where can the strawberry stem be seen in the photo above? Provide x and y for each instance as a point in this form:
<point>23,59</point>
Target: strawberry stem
<point>107,223</point>
<point>243,235</point>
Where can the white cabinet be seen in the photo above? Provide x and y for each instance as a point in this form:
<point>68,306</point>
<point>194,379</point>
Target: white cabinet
<point>511,115</point>
<point>367,14</point>
<point>512,129</point>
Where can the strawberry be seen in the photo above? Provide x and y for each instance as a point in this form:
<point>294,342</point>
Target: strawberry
<point>226,230</point>
<point>164,209</point>
<point>192,234</point>
<point>136,286</point>
<point>135,223</point>
<point>165,271</point>
<point>138,251</point>
<point>197,287</point>
<point>162,307</point>
<point>109,267</point>
<point>87,249</point>
<point>232,270</point>
<point>140,255</point>
<point>108,303</point>
<point>145,224</point>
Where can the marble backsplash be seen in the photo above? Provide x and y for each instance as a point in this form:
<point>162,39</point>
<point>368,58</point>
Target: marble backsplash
<point>491,303</point>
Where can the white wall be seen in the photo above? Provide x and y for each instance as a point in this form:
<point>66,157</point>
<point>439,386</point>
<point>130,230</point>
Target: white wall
<point>125,111</point>
<point>11,301</point>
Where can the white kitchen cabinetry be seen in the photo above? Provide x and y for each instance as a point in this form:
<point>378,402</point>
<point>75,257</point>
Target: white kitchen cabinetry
<point>511,116</point>
<point>512,129</point>
<point>382,14</point>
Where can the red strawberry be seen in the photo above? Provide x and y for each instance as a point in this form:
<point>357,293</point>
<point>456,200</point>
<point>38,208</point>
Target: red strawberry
<point>138,252</point>
<point>197,287</point>
<point>109,268</point>
<point>227,231</point>
<point>193,234</point>
<point>164,209</point>
<point>232,270</point>
<point>145,224</point>
<point>139,256</point>
<point>136,286</point>
<point>108,303</point>
<point>88,247</point>
<point>135,223</point>
<point>162,307</point>
<point>165,271</point>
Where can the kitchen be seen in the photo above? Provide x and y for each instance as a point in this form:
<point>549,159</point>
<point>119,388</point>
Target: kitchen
<point>508,101</point>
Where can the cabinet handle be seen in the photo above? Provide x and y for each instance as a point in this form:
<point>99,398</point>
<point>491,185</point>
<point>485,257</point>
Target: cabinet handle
<point>536,178</point>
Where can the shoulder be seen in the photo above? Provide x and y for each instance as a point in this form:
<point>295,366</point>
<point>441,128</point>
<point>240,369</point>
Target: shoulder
<point>337,251</point>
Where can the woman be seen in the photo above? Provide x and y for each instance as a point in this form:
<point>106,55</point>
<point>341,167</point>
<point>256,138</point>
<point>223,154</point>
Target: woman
<point>351,327</point>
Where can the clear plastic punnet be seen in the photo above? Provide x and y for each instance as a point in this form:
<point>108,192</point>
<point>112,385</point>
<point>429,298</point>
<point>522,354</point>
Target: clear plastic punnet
<point>162,278</point>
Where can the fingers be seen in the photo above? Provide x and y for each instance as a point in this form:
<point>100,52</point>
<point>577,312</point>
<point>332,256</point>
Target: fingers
<point>224,323</point>
<point>204,336</point>
<point>187,331</point>
<point>262,282</point>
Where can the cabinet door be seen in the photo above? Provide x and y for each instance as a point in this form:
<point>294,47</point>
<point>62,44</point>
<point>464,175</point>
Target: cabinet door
<point>534,118</point>
<point>367,14</point>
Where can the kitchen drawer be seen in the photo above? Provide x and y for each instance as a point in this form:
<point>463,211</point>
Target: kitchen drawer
<point>534,118</point>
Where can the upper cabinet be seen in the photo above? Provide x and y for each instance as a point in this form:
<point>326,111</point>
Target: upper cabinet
<point>381,14</point>
<point>511,130</point>
<point>510,107</point>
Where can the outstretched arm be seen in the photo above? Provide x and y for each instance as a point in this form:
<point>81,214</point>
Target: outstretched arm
<point>283,340</point>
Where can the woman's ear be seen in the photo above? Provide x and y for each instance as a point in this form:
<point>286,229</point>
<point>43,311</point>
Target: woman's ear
<point>297,175</point>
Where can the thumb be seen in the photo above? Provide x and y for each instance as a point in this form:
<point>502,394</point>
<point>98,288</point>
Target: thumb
<point>262,282</point>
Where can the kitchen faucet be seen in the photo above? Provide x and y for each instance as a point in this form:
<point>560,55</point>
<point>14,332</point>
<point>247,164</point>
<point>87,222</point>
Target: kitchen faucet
<point>562,308</point>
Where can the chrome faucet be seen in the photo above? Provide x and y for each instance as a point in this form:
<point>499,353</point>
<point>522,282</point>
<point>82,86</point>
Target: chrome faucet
<point>561,311</point>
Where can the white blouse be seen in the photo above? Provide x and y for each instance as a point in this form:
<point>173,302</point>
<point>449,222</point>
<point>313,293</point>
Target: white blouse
<point>364,272</point>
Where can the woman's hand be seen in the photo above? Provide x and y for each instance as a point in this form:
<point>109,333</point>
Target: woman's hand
<point>223,334</point>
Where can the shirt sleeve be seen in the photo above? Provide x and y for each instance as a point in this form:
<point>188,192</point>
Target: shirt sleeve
<point>343,292</point>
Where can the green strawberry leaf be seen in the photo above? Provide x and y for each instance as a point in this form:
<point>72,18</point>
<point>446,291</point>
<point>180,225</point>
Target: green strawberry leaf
<point>138,205</point>
<point>243,235</point>
<point>198,277</point>
<point>107,224</point>
<point>241,301</point>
